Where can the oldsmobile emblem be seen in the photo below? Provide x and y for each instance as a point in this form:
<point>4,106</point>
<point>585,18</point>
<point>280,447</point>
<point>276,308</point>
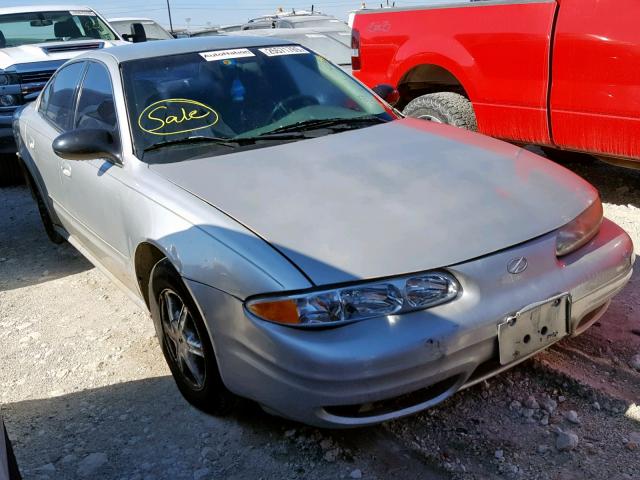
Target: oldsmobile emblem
<point>517,265</point>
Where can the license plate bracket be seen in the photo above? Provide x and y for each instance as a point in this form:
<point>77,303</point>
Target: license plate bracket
<point>533,328</point>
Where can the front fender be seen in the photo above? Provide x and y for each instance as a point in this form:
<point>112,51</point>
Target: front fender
<point>204,244</point>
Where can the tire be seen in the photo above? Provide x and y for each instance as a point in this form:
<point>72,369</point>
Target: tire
<point>10,171</point>
<point>181,336</point>
<point>443,107</point>
<point>47,223</point>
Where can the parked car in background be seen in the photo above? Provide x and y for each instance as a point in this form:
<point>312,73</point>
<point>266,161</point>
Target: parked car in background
<point>229,28</point>
<point>293,19</point>
<point>563,74</point>
<point>289,251</point>
<point>327,41</point>
<point>34,42</point>
<point>127,27</point>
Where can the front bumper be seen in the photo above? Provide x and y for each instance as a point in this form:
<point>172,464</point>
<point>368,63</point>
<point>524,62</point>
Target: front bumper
<point>396,366</point>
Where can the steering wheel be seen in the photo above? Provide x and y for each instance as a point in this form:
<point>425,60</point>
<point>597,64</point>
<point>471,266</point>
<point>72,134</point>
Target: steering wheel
<point>290,104</point>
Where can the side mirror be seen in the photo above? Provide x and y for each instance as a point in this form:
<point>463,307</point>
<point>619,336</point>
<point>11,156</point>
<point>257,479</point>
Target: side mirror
<point>87,144</point>
<point>388,93</point>
<point>137,33</point>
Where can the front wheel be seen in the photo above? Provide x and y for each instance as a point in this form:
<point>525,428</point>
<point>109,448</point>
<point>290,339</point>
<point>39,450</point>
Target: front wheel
<point>443,107</point>
<point>185,342</point>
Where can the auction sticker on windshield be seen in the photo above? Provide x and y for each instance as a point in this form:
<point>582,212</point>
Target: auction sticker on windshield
<point>276,51</point>
<point>224,54</point>
<point>84,13</point>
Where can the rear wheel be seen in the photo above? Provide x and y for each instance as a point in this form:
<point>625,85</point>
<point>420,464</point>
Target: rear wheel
<point>443,107</point>
<point>185,342</point>
<point>54,236</point>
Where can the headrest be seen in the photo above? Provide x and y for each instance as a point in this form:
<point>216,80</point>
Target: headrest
<point>66,28</point>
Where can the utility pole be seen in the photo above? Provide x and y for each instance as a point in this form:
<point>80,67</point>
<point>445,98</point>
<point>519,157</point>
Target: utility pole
<point>170,22</point>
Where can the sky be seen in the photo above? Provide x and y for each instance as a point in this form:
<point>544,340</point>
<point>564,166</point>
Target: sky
<point>203,13</point>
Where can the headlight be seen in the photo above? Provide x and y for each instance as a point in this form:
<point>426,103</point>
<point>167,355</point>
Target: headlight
<point>580,230</point>
<point>8,100</point>
<point>357,302</point>
<point>8,79</point>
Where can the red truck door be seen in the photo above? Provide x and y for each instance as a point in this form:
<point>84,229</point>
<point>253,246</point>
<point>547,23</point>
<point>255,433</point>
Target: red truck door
<point>595,93</point>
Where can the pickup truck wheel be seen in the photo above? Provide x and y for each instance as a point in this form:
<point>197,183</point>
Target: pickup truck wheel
<point>47,223</point>
<point>185,342</point>
<point>443,107</point>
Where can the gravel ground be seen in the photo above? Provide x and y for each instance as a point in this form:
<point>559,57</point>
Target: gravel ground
<point>86,394</point>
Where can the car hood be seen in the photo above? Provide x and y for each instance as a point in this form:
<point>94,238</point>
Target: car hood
<point>41,52</point>
<point>401,197</point>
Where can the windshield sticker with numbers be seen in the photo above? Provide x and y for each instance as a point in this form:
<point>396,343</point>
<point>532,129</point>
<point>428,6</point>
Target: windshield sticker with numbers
<point>286,50</point>
<point>176,115</point>
<point>224,54</point>
<point>85,13</point>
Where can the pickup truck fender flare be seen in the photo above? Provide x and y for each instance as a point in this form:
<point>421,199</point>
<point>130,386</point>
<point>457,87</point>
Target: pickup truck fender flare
<point>463,68</point>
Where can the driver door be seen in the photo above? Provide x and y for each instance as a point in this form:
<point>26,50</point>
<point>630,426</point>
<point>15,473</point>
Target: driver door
<point>54,116</point>
<point>92,189</point>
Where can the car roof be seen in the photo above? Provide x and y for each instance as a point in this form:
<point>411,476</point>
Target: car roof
<point>42,8</point>
<point>137,51</point>
<point>130,19</point>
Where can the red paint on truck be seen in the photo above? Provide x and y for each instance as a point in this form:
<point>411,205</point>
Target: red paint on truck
<point>562,73</point>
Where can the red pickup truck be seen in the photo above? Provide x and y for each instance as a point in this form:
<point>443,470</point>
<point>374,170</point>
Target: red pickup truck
<point>558,73</point>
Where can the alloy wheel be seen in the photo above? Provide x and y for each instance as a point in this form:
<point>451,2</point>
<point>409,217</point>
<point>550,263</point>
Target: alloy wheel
<point>182,339</point>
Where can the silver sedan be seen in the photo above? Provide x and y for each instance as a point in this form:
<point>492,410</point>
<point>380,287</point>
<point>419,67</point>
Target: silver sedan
<point>297,242</point>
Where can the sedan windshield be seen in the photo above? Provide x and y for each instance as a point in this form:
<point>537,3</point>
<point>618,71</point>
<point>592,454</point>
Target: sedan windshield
<point>58,26</point>
<point>225,100</point>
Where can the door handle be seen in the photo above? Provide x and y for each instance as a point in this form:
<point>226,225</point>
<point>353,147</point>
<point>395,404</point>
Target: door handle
<point>66,170</point>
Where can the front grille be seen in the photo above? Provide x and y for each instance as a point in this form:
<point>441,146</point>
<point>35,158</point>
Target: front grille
<point>74,47</point>
<point>36,77</point>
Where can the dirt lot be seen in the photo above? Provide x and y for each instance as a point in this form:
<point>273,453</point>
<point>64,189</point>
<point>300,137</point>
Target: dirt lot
<point>85,392</point>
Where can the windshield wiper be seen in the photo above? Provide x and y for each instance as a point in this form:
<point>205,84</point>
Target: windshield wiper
<point>331,123</point>
<point>284,136</point>
<point>231,142</point>
<point>225,142</point>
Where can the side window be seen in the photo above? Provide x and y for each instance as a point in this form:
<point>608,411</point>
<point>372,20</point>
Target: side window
<point>96,107</point>
<point>59,98</point>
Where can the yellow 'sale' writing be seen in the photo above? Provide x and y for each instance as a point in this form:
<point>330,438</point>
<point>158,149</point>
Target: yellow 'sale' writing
<point>176,115</point>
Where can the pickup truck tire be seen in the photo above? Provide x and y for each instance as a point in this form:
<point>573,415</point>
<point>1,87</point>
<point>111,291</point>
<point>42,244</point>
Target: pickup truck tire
<point>10,171</point>
<point>443,107</point>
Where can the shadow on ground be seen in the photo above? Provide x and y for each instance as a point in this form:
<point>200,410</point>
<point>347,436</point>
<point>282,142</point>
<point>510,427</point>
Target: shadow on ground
<point>146,430</point>
<point>27,257</point>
